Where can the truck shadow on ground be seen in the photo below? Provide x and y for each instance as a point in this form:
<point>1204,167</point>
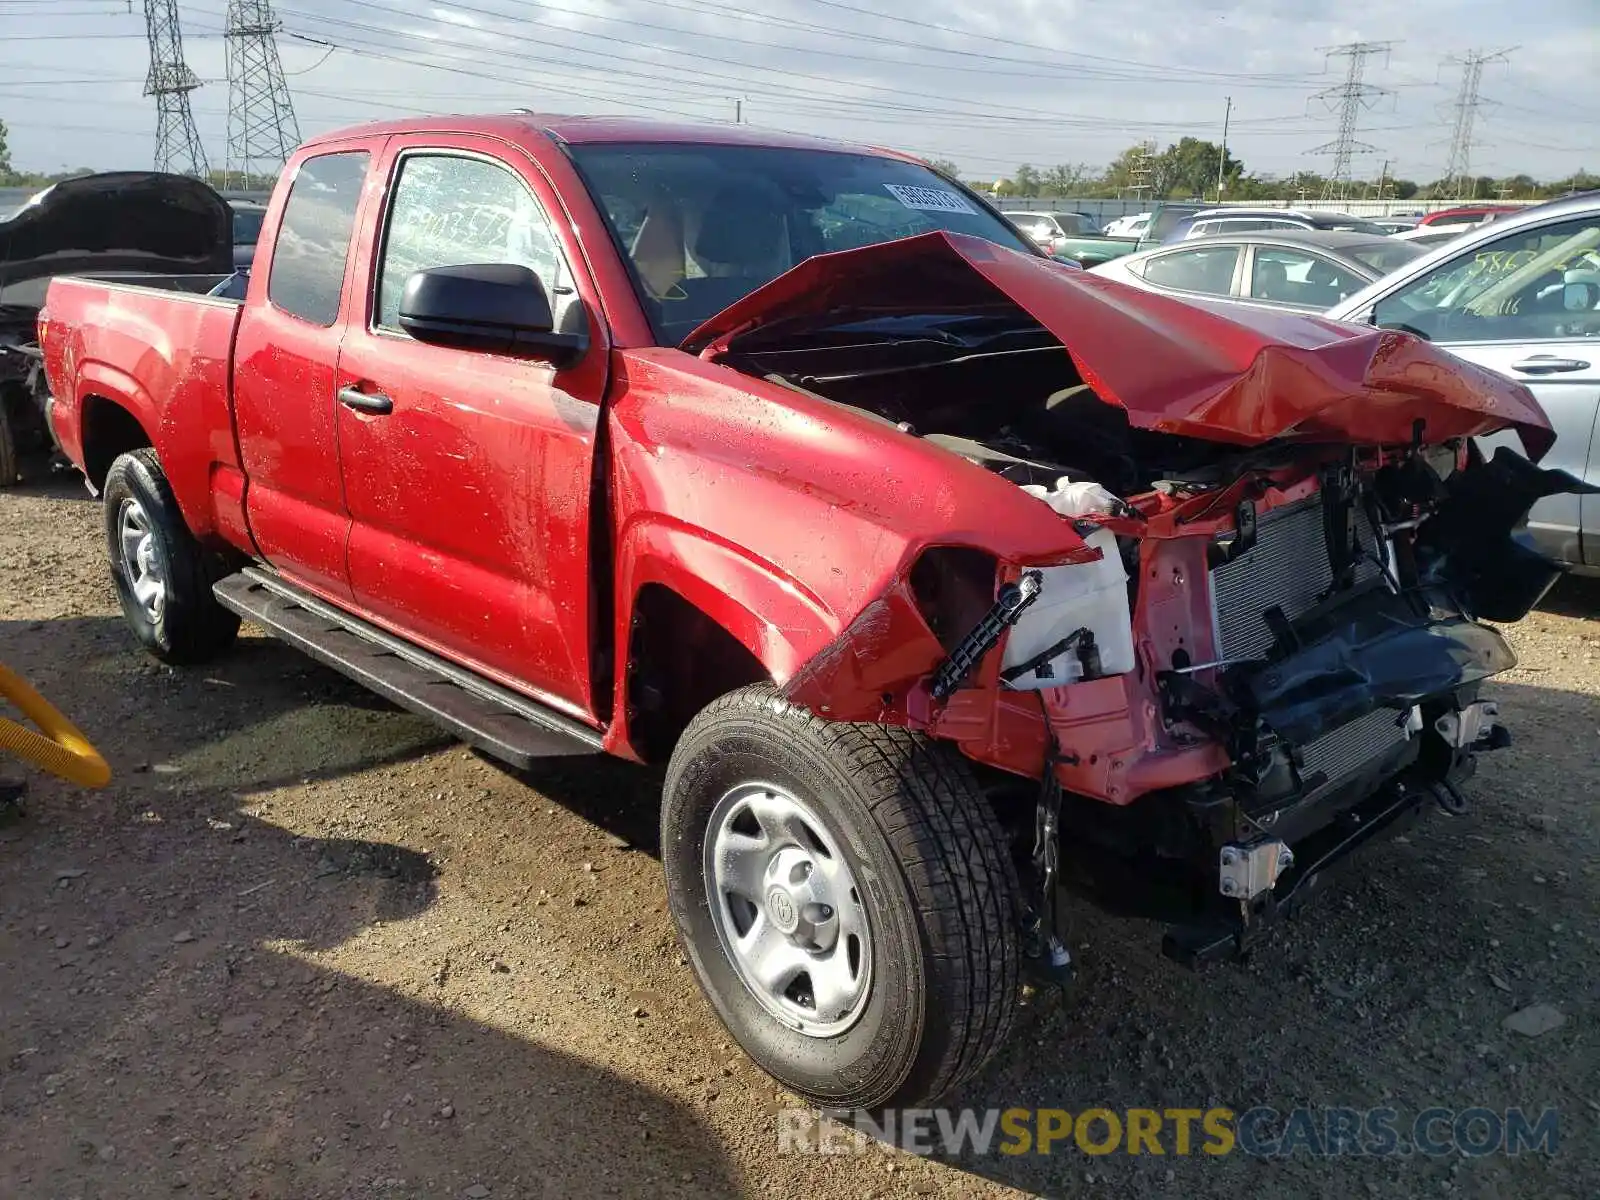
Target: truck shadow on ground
<point>167,1025</point>
<point>1574,596</point>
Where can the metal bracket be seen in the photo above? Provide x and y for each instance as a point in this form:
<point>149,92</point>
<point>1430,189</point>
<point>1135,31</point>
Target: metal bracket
<point>1469,726</point>
<point>1045,951</point>
<point>1012,602</point>
<point>1245,872</point>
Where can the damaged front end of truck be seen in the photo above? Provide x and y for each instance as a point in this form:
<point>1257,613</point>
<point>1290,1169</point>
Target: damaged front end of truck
<point>1262,642</point>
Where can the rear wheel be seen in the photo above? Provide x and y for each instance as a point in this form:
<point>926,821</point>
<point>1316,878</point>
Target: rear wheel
<point>10,470</point>
<point>845,896</point>
<point>162,574</point>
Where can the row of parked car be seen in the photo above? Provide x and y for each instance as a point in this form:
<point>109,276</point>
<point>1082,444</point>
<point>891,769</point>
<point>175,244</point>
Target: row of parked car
<point>1074,235</point>
<point>1515,291</point>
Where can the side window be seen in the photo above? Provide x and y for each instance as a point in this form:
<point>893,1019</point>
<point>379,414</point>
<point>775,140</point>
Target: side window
<point>1207,269</point>
<point>1531,284</point>
<point>1296,277</point>
<point>308,259</point>
<point>450,211</point>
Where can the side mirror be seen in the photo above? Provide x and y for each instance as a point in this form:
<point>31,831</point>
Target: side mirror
<point>500,307</point>
<point>1580,297</point>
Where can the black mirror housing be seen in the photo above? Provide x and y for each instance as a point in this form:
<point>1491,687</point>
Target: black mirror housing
<point>498,307</point>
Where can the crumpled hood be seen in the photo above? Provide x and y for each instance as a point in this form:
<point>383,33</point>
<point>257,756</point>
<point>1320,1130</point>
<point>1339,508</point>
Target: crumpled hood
<point>1223,372</point>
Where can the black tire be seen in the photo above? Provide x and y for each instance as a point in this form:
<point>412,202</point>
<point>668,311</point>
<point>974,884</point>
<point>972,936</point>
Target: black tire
<point>10,470</point>
<point>938,889</point>
<point>191,626</point>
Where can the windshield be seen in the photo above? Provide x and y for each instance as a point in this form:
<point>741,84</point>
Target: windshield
<point>1385,256</point>
<point>704,226</point>
<point>247,225</point>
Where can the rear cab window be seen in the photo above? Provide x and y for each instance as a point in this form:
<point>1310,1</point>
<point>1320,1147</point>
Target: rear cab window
<point>312,249</point>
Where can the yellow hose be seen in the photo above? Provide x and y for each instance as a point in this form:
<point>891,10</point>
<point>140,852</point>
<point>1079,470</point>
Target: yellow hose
<point>61,749</point>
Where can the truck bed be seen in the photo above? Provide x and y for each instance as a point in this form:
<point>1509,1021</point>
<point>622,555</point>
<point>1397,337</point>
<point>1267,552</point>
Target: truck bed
<point>160,348</point>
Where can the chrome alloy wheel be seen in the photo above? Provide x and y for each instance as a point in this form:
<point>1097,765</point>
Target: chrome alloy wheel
<point>142,560</point>
<point>787,910</point>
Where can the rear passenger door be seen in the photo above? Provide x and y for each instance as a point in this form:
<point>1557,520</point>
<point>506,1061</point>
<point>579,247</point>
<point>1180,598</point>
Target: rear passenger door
<point>1197,270</point>
<point>1291,277</point>
<point>285,358</point>
<point>469,481</point>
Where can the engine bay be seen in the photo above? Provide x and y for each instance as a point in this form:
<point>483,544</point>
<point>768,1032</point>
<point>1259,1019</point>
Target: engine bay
<point>998,389</point>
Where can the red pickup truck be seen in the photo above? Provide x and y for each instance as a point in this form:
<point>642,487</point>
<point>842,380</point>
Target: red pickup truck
<point>940,575</point>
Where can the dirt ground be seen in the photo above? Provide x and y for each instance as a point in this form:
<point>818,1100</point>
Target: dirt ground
<point>304,946</point>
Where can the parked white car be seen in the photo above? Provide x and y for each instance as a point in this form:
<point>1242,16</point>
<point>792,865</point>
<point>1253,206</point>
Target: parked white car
<point>1133,225</point>
<point>1520,296</point>
<point>1304,270</point>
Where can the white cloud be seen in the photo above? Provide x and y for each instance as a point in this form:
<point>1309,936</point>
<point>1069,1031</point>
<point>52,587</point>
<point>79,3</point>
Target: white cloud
<point>451,17</point>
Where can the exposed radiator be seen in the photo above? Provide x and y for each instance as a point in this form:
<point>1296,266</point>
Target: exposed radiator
<point>1352,746</point>
<point>1287,568</point>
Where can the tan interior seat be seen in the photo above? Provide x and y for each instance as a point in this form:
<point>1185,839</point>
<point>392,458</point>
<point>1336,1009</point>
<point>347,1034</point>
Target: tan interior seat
<point>657,249</point>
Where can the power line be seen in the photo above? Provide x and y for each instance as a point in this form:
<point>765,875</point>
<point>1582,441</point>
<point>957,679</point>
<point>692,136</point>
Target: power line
<point>262,130</point>
<point>1459,171</point>
<point>170,81</point>
<point>1354,96</point>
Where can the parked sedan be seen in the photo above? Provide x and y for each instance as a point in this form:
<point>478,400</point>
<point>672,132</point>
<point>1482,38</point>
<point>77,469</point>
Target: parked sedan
<point>1467,215</point>
<point>1046,228</point>
<point>1208,221</point>
<point>1520,296</point>
<point>1304,270</point>
<point>1131,225</point>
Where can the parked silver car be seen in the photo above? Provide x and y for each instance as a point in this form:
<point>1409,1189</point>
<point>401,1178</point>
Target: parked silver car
<point>1300,269</point>
<point>1520,296</point>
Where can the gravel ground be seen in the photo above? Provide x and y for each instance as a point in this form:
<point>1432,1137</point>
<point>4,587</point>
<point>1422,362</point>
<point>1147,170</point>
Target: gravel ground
<point>305,947</point>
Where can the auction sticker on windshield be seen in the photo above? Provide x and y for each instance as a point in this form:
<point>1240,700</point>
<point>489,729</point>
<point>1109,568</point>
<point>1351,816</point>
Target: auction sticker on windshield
<point>929,199</point>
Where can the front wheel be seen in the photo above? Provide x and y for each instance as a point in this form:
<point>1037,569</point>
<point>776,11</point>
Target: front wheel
<point>845,896</point>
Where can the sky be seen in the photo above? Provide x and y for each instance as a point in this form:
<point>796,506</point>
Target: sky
<point>985,85</point>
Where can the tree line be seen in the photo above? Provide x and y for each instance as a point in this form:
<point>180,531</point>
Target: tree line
<point>1189,169</point>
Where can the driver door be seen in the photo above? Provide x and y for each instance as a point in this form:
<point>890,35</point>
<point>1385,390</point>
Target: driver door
<point>1527,306</point>
<point>467,473</point>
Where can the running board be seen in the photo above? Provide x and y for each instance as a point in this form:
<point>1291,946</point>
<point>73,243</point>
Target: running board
<point>480,712</point>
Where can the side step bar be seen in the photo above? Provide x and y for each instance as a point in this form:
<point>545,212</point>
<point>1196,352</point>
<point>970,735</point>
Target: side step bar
<point>480,712</point>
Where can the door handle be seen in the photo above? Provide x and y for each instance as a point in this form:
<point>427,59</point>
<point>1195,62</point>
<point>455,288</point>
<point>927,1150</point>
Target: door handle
<point>375,403</point>
<point>1548,364</point>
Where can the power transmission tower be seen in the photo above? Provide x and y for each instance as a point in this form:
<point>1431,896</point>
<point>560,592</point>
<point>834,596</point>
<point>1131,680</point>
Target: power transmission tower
<point>170,81</point>
<point>1140,168</point>
<point>262,129</point>
<point>1459,171</point>
<point>1353,96</point>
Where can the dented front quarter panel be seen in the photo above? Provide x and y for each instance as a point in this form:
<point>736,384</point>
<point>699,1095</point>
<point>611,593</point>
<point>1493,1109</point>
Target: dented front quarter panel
<point>787,520</point>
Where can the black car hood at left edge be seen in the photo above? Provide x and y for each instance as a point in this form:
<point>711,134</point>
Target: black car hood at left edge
<point>133,222</point>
